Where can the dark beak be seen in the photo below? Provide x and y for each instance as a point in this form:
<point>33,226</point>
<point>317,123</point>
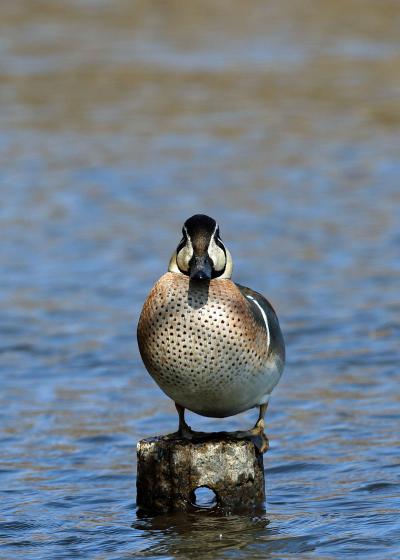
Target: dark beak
<point>201,268</point>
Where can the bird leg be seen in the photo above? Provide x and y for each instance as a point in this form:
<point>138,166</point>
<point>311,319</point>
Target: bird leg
<point>184,430</point>
<point>256,434</point>
<point>260,424</point>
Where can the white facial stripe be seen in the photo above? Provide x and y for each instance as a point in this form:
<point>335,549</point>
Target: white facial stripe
<point>185,254</point>
<point>187,235</point>
<point>217,255</point>
<point>263,315</point>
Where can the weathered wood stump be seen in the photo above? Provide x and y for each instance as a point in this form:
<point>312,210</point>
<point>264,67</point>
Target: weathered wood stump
<point>171,469</point>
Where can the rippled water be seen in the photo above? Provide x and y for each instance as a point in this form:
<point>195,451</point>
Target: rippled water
<point>118,121</point>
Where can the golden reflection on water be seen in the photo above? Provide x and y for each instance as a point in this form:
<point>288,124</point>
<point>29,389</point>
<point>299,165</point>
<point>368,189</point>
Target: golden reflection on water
<point>96,67</point>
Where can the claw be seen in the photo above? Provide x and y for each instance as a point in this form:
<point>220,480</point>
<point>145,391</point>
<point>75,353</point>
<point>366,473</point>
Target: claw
<point>256,435</point>
<point>186,432</point>
<point>261,442</point>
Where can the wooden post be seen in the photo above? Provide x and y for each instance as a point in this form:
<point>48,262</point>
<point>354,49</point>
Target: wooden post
<point>171,469</point>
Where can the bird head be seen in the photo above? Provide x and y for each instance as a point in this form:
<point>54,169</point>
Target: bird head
<point>201,254</point>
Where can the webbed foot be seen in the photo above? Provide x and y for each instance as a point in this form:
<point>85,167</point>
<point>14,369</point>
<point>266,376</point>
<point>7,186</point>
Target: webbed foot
<point>256,435</point>
<point>184,430</point>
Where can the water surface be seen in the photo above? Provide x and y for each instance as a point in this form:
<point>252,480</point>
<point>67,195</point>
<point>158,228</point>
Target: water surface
<point>118,121</point>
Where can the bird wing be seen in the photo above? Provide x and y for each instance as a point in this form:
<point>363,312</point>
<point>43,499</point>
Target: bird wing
<point>265,315</point>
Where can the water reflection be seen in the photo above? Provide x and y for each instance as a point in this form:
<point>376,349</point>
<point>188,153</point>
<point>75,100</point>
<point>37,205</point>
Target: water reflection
<point>187,535</point>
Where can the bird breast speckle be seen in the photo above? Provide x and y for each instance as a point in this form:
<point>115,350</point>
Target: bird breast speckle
<point>202,345</point>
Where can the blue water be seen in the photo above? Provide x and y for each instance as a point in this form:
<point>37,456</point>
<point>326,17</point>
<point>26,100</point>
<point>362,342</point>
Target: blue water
<point>118,121</point>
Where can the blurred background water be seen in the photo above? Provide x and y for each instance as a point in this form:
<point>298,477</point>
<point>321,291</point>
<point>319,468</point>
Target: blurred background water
<point>118,121</point>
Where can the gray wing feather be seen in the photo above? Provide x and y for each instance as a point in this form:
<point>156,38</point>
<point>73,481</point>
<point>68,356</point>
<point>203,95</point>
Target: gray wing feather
<point>277,344</point>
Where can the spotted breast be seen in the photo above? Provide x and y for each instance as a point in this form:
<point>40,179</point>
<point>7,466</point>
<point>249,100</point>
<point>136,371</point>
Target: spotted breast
<point>205,345</point>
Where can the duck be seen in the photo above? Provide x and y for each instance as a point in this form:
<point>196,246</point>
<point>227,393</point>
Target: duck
<point>213,346</point>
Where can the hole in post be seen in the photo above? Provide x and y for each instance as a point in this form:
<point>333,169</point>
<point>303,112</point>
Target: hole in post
<point>204,497</point>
